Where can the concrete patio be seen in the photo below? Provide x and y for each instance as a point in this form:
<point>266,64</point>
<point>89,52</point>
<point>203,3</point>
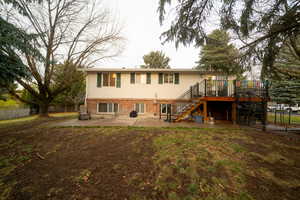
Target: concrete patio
<point>141,121</point>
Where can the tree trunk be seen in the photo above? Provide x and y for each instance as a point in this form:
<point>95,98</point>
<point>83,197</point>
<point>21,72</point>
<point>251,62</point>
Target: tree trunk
<point>43,111</point>
<point>76,106</point>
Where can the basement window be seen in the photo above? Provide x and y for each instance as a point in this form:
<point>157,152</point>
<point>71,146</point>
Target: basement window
<point>108,107</point>
<point>139,107</point>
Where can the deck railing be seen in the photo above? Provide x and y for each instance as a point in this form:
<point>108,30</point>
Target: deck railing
<point>226,88</point>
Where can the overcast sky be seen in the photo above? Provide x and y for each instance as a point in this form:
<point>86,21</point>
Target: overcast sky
<point>141,28</point>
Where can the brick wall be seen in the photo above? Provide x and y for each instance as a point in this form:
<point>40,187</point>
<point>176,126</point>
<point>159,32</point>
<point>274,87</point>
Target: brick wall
<point>127,105</point>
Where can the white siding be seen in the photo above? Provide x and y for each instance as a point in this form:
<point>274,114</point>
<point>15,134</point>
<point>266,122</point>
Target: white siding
<point>142,91</point>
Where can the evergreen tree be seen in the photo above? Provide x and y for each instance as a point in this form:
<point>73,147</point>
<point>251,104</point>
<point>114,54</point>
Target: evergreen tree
<point>261,26</point>
<point>12,41</point>
<point>287,63</point>
<point>285,92</point>
<point>156,59</point>
<point>218,55</point>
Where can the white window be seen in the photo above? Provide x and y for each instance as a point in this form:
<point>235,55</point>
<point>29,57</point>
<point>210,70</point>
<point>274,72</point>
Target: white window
<point>140,78</point>
<point>139,107</point>
<point>165,108</point>
<point>143,78</point>
<point>108,107</point>
<point>168,78</point>
<point>109,79</point>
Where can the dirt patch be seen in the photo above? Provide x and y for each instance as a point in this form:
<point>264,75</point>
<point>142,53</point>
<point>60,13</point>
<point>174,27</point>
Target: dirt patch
<point>109,158</point>
<point>262,188</point>
<point>39,161</point>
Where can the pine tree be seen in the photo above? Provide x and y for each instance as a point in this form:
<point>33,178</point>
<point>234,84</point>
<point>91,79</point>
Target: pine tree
<point>12,41</point>
<point>285,92</point>
<point>217,54</point>
<point>287,63</point>
<point>261,26</point>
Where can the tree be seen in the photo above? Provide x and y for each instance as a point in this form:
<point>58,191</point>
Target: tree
<point>75,94</point>
<point>262,26</point>
<point>13,40</point>
<point>70,31</point>
<point>217,54</point>
<point>285,92</point>
<point>287,63</point>
<point>156,59</point>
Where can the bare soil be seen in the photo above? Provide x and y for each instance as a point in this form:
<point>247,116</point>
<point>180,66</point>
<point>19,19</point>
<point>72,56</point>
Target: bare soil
<point>41,162</point>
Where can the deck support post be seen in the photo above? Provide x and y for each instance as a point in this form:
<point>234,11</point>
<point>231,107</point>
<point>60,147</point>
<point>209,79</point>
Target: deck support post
<point>205,110</point>
<point>205,87</point>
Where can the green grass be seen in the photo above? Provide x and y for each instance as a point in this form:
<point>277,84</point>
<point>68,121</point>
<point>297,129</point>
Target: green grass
<point>295,119</point>
<point>184,163</point>
<point>211,167</point>
<point>35,117</point>
<point>10,103</point>
<point>23,119</point>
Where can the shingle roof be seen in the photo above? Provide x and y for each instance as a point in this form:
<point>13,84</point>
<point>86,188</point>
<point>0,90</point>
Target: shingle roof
<point>147,70</point>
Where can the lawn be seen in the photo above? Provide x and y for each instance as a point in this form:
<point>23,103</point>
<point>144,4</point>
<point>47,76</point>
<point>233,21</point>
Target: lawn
<point>40,161</point>
<point>295,119</point>
<point>9,103</point>
<point>35,118</point>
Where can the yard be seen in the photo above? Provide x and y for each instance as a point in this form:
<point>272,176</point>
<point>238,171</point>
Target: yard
<point>39,161</point>
<point>294,119</point>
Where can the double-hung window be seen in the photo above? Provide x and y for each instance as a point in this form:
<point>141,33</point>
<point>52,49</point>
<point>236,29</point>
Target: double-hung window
<point>140,78</point>
<point>108,107</point>
<point>139,107</point>
<point>168,78</point>
<point>108,79</point>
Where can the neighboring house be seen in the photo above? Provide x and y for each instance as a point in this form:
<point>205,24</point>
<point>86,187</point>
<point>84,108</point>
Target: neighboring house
<point>159,91</point>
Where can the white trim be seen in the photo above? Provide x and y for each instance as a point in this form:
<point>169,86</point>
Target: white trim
<point>141,70</point>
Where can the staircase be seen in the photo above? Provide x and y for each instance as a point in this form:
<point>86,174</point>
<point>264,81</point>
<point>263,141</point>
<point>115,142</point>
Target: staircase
<point>187,110</point>
<point>194,91</point>
<point>219,88</point>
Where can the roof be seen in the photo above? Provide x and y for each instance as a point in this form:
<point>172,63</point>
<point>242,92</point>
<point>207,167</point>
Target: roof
<point>187,70</point>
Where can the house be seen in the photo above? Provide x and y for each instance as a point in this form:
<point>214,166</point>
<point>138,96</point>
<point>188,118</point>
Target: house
<point>157,92</point>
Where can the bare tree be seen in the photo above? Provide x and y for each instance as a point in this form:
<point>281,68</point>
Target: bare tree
<point>78,32</point>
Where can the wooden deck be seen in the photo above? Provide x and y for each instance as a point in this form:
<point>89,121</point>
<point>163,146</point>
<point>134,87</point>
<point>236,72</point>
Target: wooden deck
<point>230,99</point>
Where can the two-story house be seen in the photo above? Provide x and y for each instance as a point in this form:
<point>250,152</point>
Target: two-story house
<point>157,92</point>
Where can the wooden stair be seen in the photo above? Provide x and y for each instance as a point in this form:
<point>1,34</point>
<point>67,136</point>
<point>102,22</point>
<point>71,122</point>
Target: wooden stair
<point>188,109</point>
